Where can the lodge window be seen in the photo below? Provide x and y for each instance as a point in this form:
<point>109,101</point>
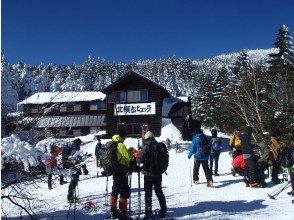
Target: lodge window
<point>62,132</point>
<point>132,96</point>
<point>35,109</point>
<point>63,108</point>
<point>94,130</point>
<point>76,132</point>
<point>77,108</point>
<point>97,106</point>
<point>133,130</point>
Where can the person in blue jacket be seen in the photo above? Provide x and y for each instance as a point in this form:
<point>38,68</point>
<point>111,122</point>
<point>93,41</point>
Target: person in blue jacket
<point>200,158</point>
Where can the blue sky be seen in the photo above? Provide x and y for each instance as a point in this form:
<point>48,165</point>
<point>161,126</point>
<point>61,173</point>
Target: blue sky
<point>67,31</point>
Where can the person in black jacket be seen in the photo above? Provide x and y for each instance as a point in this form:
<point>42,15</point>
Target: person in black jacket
<point>262,162</point>
<point>150,179</point>
<point>248,154</point>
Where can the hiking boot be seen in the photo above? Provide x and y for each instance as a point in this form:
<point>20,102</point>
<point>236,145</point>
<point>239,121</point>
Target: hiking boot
<point>216,174</point>
<point>114,214</point>
<point>50,187</point>
<point>148,216</point>
<point>162,213</point>
<point>291,193</point>
<point>62,182</point>
<point>196,182</point>
<point>293,201</point>
<point>210,184</point>
<point>123,216</point>
<point>276,181</point>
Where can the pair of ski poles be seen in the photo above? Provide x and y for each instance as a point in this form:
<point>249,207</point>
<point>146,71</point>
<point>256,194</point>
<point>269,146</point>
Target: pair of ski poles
<point>276,192</point>
<point>130,200</point>
<point>139,195</point>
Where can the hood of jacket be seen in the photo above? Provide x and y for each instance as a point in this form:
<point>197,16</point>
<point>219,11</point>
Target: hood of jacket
<point>117,138</point>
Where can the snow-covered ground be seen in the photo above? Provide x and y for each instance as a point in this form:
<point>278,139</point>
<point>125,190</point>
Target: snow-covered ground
<point>229,199</point>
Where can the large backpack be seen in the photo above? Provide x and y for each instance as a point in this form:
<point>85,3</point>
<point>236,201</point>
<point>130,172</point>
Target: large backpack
<point>216,144</point>
<point>204,144</point>
<point>65,153</point>
<point>159,159</point>
<point>108,157</point>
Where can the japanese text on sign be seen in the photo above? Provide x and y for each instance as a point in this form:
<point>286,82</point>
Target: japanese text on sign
<point>135,109</point>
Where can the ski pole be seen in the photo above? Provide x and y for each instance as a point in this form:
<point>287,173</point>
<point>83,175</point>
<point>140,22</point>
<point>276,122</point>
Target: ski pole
<point>139,195</point>
<point>277,193</point>
<point>130,185</point>
<point>106,193</point>
<point>279,188</point>
<point>75,204</point>
<point>190,173</point>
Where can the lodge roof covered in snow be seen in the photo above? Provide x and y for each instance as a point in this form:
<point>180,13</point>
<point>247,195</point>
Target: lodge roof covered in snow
<point>59,97</point>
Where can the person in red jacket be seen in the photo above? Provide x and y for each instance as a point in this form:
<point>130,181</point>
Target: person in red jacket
<point>52,164</point>
<point>240,167</point>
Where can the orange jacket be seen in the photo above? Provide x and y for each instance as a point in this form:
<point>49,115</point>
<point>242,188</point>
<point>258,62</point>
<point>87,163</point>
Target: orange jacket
<point>235,141</point>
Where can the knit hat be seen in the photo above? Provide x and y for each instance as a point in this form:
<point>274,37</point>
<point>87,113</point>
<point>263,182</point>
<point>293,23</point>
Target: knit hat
<point>149,134</point>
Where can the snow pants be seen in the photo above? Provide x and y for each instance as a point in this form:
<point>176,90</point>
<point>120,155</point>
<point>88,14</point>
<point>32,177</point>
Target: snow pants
<point>149,183</point>
<point>196,168</point>
<point>214,157</point>
<point>120,185</point>
<point>252,170</point>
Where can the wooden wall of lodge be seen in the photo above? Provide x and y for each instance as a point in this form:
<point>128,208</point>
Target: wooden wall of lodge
<point>155,94</point>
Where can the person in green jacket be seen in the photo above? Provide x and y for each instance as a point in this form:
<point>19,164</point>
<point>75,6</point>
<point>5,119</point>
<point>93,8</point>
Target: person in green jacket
<point>120,177</point>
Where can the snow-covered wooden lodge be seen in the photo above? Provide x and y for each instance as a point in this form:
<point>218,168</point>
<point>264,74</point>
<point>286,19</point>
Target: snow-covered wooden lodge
<point>65,114</point>
<point>132,101</point>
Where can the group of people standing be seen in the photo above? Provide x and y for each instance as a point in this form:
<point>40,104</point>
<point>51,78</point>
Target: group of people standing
<point>206,153</point>
<point>251,160</point>
<point>125,158</point>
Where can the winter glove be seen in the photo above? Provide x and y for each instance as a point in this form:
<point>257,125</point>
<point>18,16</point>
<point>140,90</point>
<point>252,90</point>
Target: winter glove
<point>189,157</point>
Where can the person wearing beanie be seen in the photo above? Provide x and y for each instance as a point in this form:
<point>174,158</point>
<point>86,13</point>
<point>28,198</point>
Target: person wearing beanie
<point>150,179</point>
<point>120,178</point>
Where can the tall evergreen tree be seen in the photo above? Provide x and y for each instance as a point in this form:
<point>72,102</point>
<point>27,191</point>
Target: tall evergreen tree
<point>285,57</point>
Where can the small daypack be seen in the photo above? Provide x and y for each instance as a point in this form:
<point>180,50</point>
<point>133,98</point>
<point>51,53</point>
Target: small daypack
<point>108,157</point>
<point>204,144</point>
<point>159,159</point>
<point>216,144</point>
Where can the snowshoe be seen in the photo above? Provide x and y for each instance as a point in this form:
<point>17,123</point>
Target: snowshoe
<point>255,185</point>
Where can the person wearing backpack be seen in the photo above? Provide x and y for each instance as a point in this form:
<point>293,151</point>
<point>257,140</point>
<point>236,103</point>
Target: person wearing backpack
<point>249,156</point>
<point>153,175</point>
<point>201,150</point>
<point>235,147</point>
<point>75,163</point>
<point>52,165</point>
<point>216,147</point>
<point>120,176</point>
<point>97,152</point>
<point>275,156</point>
